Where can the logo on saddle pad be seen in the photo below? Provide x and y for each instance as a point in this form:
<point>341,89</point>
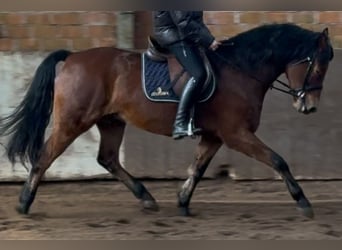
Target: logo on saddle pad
<point>160,92</point>
<point>157,84</point>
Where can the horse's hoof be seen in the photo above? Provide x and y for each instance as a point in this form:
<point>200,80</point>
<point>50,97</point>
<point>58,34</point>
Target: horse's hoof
<point>306,208</point>
<point>185,211</point>
<point>307,212</point>
<point>150,205</point>
<point>22,210</point>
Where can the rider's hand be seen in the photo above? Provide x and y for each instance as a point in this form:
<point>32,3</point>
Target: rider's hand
<point>215,44</point>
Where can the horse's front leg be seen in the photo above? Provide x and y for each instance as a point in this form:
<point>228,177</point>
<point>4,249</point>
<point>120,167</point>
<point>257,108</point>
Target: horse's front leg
<point>205,151</point>
<point>246,142</point>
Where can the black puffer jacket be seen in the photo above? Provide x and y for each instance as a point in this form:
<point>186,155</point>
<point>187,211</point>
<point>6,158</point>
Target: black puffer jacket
<point>174,26</point>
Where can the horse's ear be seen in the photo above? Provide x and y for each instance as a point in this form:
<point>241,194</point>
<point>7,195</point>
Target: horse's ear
<point>325,32</point>
<point>323,38</point>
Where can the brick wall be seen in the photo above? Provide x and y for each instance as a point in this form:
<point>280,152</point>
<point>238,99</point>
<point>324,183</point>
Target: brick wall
<point>44,31</point>
<point>142,28</point>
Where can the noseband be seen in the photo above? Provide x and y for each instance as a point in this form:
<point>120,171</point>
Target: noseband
<point>299,92</point>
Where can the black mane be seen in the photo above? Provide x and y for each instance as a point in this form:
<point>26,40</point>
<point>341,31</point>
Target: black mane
<point>267,44</point>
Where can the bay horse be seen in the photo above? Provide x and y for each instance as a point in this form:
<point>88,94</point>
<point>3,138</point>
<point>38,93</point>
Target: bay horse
<point>102,87</point>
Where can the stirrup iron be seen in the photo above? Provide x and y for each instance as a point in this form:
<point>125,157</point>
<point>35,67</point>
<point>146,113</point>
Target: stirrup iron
<point>192,131</point>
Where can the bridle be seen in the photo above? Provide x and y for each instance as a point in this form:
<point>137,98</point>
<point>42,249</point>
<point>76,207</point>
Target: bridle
<point>299,92</point>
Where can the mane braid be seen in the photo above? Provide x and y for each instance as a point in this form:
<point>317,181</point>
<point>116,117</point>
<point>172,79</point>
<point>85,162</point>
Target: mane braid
<point>268,44</point>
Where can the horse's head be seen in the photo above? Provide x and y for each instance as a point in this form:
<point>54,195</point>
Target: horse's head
<point>306,76</point>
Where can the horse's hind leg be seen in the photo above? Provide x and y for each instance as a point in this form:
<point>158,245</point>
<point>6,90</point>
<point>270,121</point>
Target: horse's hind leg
<point>111,132</point>
<point>58,141</point>
<point>247,143</point>
<point>205,151</point>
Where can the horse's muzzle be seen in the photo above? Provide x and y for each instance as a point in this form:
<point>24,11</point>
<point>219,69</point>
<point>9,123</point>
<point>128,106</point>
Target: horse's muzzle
<point>303,108</point>
<point>309,110</point>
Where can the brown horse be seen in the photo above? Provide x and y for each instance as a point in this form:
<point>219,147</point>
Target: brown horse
<point>102,86</point>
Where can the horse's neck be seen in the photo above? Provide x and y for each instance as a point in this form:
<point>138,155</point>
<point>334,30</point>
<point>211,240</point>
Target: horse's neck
<point>267,75</point>
<point>261,81</point>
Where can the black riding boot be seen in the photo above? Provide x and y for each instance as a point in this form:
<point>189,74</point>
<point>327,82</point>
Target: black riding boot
<point>180,127</point>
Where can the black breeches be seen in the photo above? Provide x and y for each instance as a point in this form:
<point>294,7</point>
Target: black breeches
<point>190,58</point>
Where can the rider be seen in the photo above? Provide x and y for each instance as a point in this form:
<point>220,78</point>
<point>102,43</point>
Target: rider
<point>182,33</point>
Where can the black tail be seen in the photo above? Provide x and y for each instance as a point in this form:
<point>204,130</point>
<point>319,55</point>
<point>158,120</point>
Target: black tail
<point>28,122</point>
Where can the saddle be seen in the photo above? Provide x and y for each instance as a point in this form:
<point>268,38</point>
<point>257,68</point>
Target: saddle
<point>163,78</point>
<point>156,52</point>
